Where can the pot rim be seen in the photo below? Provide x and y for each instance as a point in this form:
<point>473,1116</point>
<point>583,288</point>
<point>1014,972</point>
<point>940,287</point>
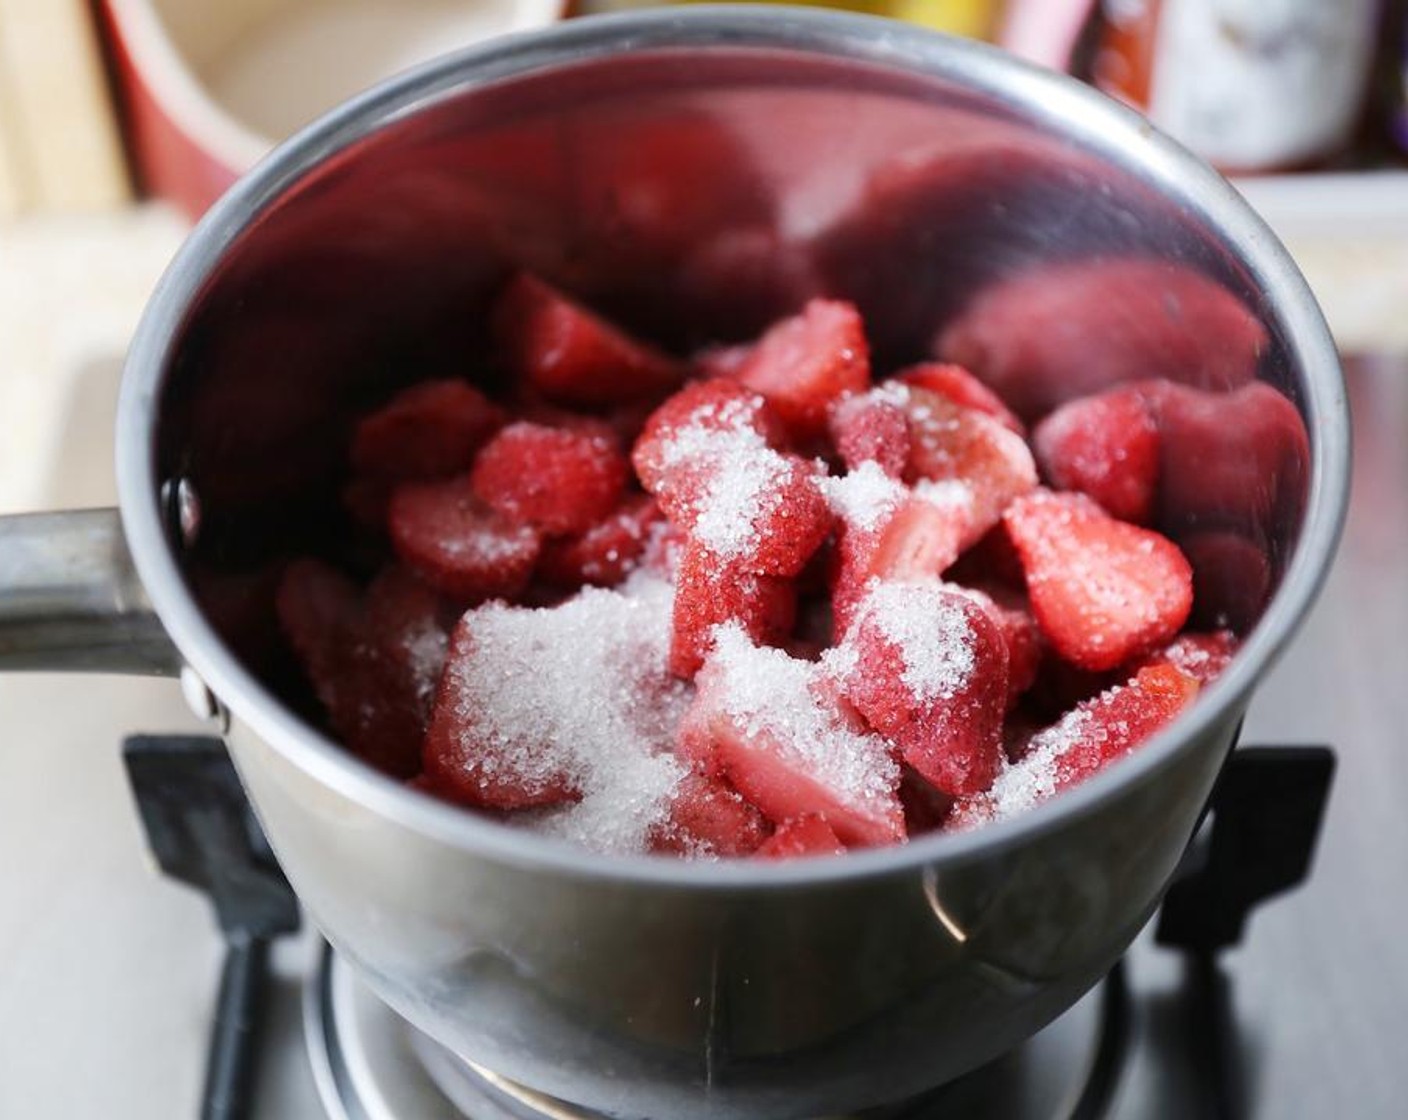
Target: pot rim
<point>1098,123</point>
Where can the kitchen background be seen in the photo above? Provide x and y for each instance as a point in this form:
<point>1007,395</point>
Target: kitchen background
<point>121,120</point>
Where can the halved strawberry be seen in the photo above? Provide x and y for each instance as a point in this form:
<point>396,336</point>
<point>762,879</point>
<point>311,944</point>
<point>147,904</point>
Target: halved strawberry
<point>680,430</point>
<point>431,430</point>
<point>926,533</point>
<point>927,668</point>
<point>1116,722</point>
<point>410,624</point>
<point>804,363</point>
<point>1102,590</point>
<point>757,717</point>
<point>459,546</point>
<point>761,511</point>
<point>607,552</point>
<point>1012,613</point>
<point>374,661</point>
<point>708,593</point>
<point>560,482</point>
<point>469,757</point>
<point>807,835</point>
<point>707,817</point>
<point>1107,447</point>
<point>871,427</point>
<point>865,500</point>
<point>962,388</point>
<point>951,443</point>
<point>571,354</point>
<point>916,536</point>
<point>1047,335</point>
<point>1081,743</point>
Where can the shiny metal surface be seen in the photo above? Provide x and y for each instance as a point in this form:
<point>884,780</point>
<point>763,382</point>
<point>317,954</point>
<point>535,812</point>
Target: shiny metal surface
<point>357,256</point>
<point>70,599</point>
<point>372,1065</point>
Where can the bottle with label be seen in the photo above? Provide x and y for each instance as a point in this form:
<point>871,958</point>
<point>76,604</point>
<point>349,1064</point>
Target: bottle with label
<point>1250,85</point>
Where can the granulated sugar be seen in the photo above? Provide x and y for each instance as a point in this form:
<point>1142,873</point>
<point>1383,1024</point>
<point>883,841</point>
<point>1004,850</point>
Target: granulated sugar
<point>580,690</point>
<point>742,476</point>
<point>928,627</point>
<point>770,693</point>
<point>954,494</point>
<point>1032,778</point>
<point>865,496</point>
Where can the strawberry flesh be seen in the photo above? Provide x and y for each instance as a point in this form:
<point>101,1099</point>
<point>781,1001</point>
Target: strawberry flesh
<point>571,354</point>
<point>1102,590</point>
<point>807,835</point>
<point>558,481</point>
<point>458,545</point>
<point>1106,447</point>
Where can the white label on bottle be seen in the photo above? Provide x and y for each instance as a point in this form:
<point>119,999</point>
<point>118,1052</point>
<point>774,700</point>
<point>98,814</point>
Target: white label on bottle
<point>1261,83</point>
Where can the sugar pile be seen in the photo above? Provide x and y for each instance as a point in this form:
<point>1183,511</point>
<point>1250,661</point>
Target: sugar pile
<point>931,632</point>
<point>579,690</point>
<point>864,497</point>
<point>771,694</point>
<point>742,476</point>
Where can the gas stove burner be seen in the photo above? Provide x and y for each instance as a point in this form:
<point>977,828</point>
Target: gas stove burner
<point>370,1064</point>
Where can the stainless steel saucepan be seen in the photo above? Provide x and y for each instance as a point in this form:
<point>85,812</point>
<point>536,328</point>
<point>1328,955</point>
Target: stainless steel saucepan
<point>693,173</point>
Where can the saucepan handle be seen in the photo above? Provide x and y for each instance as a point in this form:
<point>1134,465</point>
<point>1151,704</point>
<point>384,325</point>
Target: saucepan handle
<point>70,599</point>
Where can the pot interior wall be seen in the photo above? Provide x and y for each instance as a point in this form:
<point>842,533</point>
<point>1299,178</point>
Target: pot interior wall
<point>695,203</point>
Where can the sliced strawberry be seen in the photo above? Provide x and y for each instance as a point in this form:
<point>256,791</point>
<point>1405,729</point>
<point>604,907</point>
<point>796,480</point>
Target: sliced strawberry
<point>431,430</point>
<point>1103,591</point>
<point>1047,335</point>
<point>607,552</point>
<point>757,716</point>
<point>459,546</point>
<point>706,457</point>
<point>803,364</point>
<point>807,835</point>
<point>1116,722</point>
<point>927,668</point>
<point>865,501</point>
<point>1081,743</point>
<point>571,354</point>
<point>762,512</point>
<point>678,433</point>
<point>375,670</point>
<point>1012,613</point>
<point>925,535</point>
<point>1107,447</point>
<point>871,427</point>
<point>557,481</point>
<point>410,624</point>
<point>950,443</point>
<point>962,388</point>
<point>707,594</point>
<point>469,757</point>
<point>706,817</point>
<point>1201,656</point>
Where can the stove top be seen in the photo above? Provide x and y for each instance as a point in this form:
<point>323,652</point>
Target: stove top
<point>112,968</point>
